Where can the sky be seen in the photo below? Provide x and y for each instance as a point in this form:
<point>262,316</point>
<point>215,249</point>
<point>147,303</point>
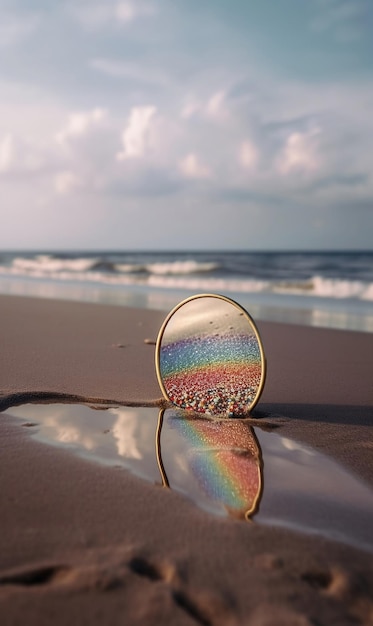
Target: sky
<point>186,124</point>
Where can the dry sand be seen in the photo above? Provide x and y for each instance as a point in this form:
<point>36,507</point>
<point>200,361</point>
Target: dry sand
<point>84,544</point>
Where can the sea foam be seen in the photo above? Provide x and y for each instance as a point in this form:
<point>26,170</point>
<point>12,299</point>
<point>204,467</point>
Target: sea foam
<point>193,274</point>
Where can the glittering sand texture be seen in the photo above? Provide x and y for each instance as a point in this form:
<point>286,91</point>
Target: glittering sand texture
<point>216,389</point>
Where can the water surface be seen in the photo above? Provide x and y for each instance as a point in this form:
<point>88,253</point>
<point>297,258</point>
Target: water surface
<point>224,466</point>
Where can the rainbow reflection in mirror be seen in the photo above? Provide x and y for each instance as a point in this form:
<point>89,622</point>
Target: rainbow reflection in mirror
<point>209,357</point>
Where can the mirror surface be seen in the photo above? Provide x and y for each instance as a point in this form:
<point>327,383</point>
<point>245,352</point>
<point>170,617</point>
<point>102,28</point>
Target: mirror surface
<point>210,358</point>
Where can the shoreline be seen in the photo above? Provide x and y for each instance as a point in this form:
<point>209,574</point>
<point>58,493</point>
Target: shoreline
<point>84,540</point>
<point>319,312</point>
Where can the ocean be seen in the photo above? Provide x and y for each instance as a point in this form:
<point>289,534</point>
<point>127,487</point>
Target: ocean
<point>327,289</point>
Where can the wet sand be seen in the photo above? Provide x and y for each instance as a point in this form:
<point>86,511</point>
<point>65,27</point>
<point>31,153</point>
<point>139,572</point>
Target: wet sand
<point>81,543</point>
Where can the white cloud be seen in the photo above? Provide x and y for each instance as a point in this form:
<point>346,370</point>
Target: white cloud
<point>136,135</point>
<point>7,153</point>
<point>125,432</point>
<point>277,147</point>
<point>220,112</point>
<point>95,15</point>
<point>18,156</point>
<point>189,109</point>
<point>128,11</point>
<point>215,107</point>
<point>65,182</point>
<point>80,123</point>
<point>125,11</point>
<point>248,155</point>
<point>192,167</point>
<point>84,151</point>
<point>62,430</point>
<point>299,153</point>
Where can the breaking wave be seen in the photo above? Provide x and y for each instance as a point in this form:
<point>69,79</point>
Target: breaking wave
<point>48,265</point>
<point>173,268</point>
<point>186,274</point>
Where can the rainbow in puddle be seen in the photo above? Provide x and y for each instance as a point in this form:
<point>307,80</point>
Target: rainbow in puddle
<point>224,457</point>
<point>210,358</point>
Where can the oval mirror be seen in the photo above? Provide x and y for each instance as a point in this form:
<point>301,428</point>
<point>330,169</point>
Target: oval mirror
<point>209,357</point>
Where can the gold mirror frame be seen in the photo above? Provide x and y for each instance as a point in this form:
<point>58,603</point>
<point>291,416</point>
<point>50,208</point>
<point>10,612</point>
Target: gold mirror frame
<point>251,323</point>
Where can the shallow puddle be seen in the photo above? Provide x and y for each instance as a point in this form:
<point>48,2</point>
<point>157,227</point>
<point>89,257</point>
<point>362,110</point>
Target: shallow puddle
<point>225,466</point>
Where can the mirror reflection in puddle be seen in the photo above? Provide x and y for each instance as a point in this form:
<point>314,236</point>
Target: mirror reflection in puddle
<point>216,462</point>
<point>225,466</point>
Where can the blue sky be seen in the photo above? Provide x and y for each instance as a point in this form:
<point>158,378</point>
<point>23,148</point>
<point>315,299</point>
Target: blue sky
<point>155,124</point>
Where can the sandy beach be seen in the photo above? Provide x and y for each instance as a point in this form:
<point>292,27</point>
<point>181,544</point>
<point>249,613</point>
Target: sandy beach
<point>86,544</point>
